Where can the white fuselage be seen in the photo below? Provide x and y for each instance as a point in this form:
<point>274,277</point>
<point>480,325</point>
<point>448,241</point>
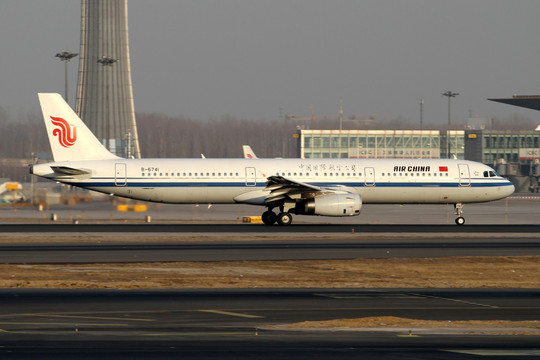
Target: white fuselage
<point>222,180</point>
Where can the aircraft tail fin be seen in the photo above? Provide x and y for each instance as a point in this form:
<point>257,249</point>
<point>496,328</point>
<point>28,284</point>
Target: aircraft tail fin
<point>69,137</point>
<point>248,152</point>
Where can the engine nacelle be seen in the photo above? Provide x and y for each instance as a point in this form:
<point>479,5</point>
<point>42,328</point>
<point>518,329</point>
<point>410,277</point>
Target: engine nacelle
<point>333,205</point>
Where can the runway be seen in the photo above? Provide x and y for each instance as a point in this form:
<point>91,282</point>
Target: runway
<point>232,324</point>
<point>252,250</point>
<point>264,229</point>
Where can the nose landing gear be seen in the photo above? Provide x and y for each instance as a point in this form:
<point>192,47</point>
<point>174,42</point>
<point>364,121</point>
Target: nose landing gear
<point>458,210</point>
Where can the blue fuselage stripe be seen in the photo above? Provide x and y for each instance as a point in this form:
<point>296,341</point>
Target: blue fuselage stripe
<point>187,184</point>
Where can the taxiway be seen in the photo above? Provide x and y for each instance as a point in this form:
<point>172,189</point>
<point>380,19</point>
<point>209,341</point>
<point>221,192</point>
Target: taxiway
<point>232,324</point>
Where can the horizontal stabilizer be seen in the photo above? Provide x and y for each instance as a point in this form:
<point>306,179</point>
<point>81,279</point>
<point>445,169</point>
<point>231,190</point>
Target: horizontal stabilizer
<point>66,170</point>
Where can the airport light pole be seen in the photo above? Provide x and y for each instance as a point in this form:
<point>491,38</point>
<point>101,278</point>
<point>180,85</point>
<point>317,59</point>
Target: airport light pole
<point>449,94</point>
<point>421,114</point>
<point>66,56</point>
<point>340,114</point>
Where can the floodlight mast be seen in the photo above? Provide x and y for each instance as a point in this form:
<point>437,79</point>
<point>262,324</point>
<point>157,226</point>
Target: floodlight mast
<point>421,114</point>
<point>66,56</point>
<point>449,94</point>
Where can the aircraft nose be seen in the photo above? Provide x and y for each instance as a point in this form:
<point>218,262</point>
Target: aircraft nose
<point>510,188</point>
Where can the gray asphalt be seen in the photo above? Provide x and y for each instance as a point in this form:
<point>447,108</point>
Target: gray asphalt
<point>246,250</point>
<point>519,209</point>
<point>231,324</point>
<point>259,228</point>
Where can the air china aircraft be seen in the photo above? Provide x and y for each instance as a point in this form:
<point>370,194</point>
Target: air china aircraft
<point>328,187</point>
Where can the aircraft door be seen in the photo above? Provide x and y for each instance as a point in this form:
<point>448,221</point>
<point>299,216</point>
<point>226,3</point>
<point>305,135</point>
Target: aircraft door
<point>464,175</point>
<point>369,176</point>
<point>251,178</point>
<point>120,178</point>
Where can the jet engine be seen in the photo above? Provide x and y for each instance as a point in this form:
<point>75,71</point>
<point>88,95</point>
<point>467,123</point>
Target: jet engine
<point>332,205</point>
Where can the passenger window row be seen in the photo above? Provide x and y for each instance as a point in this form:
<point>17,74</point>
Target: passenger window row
<point>197,174</point>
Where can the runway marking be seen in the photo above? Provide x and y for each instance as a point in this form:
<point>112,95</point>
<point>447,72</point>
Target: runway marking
<point>88,317</point>
<point>489,352</point>
<point>231,314</point>
<point>199,333</point>
<point>369,296</point>
<point>456,300</point>
<point>58,324</point>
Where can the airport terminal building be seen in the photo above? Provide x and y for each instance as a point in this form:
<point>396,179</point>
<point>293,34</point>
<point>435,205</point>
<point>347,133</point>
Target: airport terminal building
<point>513,153</point>
<point>379,144</point>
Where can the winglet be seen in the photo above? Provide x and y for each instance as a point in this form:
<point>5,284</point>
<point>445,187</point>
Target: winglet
<point>69,137</point>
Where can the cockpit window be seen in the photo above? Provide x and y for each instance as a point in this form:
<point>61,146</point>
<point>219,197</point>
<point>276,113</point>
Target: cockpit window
<point>490,173</point>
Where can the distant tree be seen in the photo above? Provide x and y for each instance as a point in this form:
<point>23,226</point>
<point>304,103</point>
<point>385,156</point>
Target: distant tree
<point>3,116</point>
<point>163,136</point>
<point>515,122</point>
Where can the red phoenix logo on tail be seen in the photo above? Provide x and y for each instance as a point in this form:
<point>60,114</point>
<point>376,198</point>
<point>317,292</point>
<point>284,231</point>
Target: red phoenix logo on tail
<point>63,131</point>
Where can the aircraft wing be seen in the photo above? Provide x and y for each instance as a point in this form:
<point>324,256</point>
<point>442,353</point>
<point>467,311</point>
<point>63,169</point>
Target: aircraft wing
<point>276,182</point>
<point>281,187</point>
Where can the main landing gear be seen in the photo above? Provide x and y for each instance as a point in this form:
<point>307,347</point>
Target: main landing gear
<point>269,217</point>
<point>283,218</point>
<point>458,210</point>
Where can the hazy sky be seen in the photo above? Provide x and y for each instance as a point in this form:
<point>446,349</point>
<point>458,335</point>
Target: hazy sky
<point>247,58</point>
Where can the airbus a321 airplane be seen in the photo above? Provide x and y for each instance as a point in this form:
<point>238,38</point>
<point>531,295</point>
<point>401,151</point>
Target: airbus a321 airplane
<point>328,187</point>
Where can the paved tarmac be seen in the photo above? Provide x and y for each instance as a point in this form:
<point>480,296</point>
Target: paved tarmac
<point>232,324</point>
<point>250,250</point>
<point>517,209</point>
<point>260,228</point>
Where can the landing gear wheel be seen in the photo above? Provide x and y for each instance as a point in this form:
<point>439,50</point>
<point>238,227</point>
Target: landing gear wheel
<point>284,218</point>
<point>458,210</point>
<point>269,217</point>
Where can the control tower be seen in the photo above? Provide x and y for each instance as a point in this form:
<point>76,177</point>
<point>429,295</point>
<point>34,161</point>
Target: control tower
<point>104,92</point>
